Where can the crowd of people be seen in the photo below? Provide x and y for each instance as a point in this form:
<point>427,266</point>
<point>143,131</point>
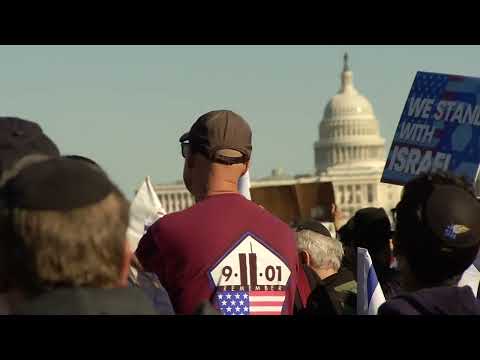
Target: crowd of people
<point>63,246</point>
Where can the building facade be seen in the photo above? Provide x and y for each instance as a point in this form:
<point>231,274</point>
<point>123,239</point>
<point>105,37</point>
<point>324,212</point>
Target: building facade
<point>174,197</point>
<point>350,153</point>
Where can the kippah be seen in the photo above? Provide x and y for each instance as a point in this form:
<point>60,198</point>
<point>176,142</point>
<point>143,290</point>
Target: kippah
<point>314,226</point>
<point>449,235</point>
<point>58,184</point>
<point>452,214</point>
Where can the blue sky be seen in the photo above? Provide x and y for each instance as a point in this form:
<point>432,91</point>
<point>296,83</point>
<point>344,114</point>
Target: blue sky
<point>126,106</point>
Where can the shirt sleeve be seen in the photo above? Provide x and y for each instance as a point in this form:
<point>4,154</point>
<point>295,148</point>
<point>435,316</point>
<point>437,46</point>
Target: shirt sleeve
<point>146,251</point>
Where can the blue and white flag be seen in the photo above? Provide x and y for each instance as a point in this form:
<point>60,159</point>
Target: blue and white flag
<point>369,293</point>
<point>244,185</point>
<point>471,276</point>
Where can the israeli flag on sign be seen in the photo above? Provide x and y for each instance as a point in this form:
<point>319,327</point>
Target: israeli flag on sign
<point>244,185</point>
<point>369,294</point>
<point>471,276</point>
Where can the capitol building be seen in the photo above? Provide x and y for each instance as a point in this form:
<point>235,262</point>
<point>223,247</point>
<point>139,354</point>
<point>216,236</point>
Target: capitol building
<point>350,153</point>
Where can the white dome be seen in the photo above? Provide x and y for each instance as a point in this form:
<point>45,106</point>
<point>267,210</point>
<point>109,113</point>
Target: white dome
<point>348,104</point>
<point>349,131</point>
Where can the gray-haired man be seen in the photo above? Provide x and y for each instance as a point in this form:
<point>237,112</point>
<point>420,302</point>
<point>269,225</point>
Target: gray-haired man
<point>333,287</point>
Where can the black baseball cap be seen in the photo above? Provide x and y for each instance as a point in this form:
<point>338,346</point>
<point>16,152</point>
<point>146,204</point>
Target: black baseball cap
<point>20,138</point>
<point>221,135</point>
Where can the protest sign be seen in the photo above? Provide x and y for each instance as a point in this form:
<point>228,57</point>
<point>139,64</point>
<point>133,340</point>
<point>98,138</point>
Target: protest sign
<point>279,200</point>
<point>439,129</point>
<point>297,202</point>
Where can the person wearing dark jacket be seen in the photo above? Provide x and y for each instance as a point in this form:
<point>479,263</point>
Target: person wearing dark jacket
<point>332,288</point>
<point>335,295</point>
<point>370,228</point>
<point>64,230</point>
<point>437,238</point>
<point>443,300</point>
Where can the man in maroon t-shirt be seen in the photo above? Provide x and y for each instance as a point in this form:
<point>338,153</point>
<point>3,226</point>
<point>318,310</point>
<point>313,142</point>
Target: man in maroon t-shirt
<point>225,249</point>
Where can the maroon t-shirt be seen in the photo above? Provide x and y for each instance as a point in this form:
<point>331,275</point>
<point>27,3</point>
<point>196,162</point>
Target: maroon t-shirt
<point>226,250</point>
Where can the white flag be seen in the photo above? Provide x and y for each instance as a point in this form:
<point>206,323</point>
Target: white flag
<point>369,294</point>
<point>145,209</point>
<point>471,276</point>
<point>244,185</point>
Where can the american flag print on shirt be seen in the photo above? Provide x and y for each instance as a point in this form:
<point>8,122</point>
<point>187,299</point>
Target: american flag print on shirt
<point>250,302</point>
<point>250,279</point>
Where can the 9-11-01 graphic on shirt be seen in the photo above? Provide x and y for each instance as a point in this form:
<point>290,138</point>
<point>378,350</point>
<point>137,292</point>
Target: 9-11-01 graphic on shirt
<point>250,279</point>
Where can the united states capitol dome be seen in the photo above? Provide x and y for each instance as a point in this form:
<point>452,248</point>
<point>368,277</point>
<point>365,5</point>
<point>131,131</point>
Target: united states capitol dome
<point>348,102</point>
<point>349,131</point>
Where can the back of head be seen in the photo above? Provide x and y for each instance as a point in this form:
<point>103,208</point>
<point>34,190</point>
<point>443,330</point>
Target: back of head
<point>222,136</point>
<point>437,227</point>
<point>22,142</point>
<point>218,146</point>
<point>66,227</point>
<point>86,160</point>
<point>325,251</point>
<point>369,228</point>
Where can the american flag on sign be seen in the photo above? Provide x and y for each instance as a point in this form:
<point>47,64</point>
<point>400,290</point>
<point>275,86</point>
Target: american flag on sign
<point>250,302</point>
<point>446,87</point>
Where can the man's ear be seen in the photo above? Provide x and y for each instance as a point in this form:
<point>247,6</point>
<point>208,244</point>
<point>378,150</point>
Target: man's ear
<point>247,166</point>
<point>127,258</point>
<point>304,258</point>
